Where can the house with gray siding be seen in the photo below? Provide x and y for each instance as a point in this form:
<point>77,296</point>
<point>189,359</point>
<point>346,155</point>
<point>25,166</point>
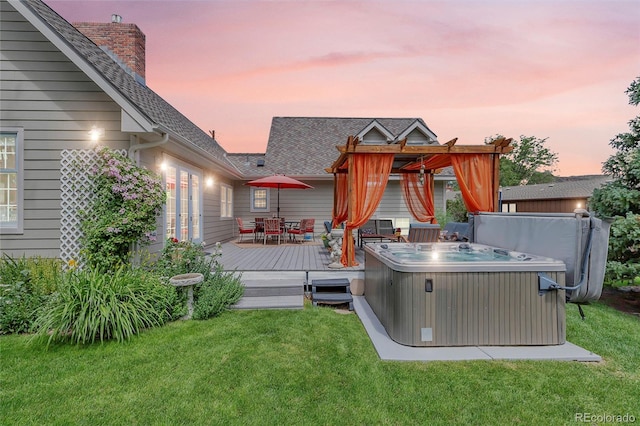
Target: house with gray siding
<point>303,147</point>
<point>57,86</point>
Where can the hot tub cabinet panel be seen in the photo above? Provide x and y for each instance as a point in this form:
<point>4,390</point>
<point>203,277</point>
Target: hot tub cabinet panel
<point>501,308</point>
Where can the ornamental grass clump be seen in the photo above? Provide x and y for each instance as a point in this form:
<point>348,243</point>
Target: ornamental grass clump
<point>127,200</point>
<point>91,305</point>
<point>216,294</point>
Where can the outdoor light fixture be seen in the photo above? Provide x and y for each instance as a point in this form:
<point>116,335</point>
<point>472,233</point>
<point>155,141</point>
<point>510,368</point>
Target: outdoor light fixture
<point>96,133</point>
<point>209,182</point>
<point>163,166</point>
<point>421,178</point>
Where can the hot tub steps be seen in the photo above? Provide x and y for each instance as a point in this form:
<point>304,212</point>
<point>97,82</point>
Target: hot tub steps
<point>331,291</point>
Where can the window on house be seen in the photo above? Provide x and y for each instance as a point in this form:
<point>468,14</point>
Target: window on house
<point>226,201</point>
<point>508,207</point>
<point>11,207</point>
<point>259,200</point>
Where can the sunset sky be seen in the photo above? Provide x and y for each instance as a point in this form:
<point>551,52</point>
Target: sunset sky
<point>471,69</point>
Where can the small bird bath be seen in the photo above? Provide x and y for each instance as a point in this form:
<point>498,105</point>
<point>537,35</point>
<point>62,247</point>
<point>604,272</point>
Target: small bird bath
<point>187,280</point>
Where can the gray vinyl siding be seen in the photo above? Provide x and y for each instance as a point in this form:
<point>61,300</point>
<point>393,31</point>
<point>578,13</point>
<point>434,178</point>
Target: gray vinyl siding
<point>56,104</point>
<point>216,228</point>
<point>392,205</point>
<point>317,203</point>
<point>295,204</point>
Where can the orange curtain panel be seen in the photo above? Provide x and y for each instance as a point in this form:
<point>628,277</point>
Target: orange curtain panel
<point>341,205</point>
<point>418,197</point>
<point>475,178</point>
<point>369,177</point>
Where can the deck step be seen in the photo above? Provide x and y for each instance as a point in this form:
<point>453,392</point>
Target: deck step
<point>270,302</point>
<point>272,294</point>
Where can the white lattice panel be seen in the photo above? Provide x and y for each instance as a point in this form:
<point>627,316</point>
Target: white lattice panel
<point>76,195</point>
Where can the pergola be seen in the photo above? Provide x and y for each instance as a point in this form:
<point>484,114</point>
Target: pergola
<point>362,171</point>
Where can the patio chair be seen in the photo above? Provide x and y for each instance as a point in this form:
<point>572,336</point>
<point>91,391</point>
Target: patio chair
<point>300,230</point>
<point>259,226</point>
<point>272,228</point>
<point>310,228</point>
<point>242,230</point>
<point>377,229</point>
<point>423,233</point>
<point>327,226</point>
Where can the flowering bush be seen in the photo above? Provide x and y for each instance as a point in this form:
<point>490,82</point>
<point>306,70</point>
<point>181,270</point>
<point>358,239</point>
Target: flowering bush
<point>127,202</point>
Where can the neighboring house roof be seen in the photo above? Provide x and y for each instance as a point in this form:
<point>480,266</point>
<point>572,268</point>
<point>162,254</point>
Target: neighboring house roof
<point>305,146</point>
<point>574,188</point>
<point>139,96</point>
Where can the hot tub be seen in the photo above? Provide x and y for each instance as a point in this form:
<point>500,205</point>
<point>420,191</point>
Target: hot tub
<point>461,294</point>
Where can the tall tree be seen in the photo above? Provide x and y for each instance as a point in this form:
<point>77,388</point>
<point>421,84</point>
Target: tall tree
<point>523,165</point>
<point>620,198</point>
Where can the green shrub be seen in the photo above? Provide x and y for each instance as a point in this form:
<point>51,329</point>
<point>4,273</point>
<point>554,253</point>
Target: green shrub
<point>622,273</point>
<point>92,305</point>
<point>184,257</point>
<point>456,210</point>
<point>624,239</point>
<point>25,285</point>
<point>216,294</point>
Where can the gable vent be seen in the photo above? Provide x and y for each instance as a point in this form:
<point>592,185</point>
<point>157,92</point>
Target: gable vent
<point>260,162</point>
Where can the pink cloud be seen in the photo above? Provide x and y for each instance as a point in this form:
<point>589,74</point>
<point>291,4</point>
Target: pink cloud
<point>470,69</point>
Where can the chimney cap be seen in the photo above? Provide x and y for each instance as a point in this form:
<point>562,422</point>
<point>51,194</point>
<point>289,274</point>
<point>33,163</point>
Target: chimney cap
<point>116,19</point>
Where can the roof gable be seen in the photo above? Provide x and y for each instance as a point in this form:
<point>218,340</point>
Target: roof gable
<point>418,134</point>
<point>375,134</point>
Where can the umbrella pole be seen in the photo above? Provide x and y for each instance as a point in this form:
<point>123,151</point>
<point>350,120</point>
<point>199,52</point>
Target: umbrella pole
<point>278,201</point>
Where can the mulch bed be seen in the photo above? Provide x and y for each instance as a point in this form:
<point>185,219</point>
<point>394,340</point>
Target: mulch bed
<point>625,299</point>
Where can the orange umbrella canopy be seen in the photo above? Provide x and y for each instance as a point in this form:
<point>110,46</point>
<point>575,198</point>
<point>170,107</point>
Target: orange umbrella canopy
<point>278,181</point>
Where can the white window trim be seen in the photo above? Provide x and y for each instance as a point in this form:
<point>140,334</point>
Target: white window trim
<point>18,228</point>
<point>253,208</point>
<point>229,203</point>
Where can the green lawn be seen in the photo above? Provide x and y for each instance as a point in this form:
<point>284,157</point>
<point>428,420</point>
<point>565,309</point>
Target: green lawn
<point>311,366</point>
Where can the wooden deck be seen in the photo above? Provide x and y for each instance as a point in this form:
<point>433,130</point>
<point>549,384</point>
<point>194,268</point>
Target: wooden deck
<point>276,276</point>
<point>284,257</point>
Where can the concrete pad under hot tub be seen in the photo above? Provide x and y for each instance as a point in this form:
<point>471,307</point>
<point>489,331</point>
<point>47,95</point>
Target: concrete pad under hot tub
<point>391,351</point>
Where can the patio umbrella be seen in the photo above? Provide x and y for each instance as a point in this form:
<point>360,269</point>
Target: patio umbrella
<point>278,181</point>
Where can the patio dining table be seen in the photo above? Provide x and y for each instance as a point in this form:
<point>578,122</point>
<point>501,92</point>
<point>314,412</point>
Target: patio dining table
<point>288,224</point>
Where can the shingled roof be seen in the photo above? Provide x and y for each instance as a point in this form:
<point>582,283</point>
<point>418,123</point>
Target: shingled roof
<point>141,97</point>
<point>574,188</point>
<point>305,146</point>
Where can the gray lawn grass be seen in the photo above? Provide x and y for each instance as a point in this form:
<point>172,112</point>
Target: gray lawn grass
<point>311,366</point>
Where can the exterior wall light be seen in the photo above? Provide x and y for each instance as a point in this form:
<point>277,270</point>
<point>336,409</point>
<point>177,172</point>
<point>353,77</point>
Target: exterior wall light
<point>96,133</point>
<point>209,182</point>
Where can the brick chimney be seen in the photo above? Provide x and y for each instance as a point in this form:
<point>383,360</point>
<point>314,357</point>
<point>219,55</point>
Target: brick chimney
<point>123,42</point>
